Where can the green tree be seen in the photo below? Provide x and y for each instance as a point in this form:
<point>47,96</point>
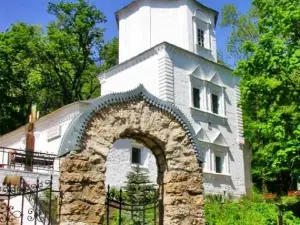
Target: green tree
<point>243,28</point>
<point>53,67</point>
<point>19,83</point>
<point>270,91</point>
<point>139,190</point>
<point>109,54</point>
<point>68,55</point>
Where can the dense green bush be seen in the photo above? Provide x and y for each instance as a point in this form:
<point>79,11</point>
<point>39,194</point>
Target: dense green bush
<point>245,212</point>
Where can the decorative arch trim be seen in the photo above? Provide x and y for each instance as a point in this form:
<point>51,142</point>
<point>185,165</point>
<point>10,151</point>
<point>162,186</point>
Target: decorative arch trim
<point>72,138</point>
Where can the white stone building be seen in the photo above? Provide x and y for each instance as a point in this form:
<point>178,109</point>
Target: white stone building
<point>170,48</point>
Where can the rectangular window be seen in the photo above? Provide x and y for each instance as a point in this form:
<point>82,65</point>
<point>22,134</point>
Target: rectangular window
<point>136,156</point>
<point>196,98</point>
<point>219,164</point>
<point>215,103</point>
<point>200,37</point>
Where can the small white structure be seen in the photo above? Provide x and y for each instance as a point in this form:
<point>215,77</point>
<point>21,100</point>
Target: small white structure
<point>170,48</point>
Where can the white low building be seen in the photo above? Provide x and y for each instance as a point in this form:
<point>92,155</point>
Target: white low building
<point>170,48</point>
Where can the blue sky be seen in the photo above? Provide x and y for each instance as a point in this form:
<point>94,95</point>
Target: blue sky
<point>35,12</point>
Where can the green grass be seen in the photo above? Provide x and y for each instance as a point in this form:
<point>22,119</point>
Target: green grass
<point>249,212</point>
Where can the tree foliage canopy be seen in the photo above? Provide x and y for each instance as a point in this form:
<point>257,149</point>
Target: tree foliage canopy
<point>55,66</point>
<point>139,188</point>
<point>18,80</point>
<point>270,87</point>
<point>243,28</point>
<point>110,54</point>
<point>70,49</point>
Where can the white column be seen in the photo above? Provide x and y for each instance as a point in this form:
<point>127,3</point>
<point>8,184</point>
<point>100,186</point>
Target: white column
<point>228,160</point>
<point>209,166</point>
<point>208,98</point>
<point>204,96</point>
<point>195,35</point>
<point>213,163</point>
<point>223,102</point>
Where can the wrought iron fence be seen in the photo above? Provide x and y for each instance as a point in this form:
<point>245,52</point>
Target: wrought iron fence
<point>28,160</point>
<point>121,211</point>
<point>23,203</point>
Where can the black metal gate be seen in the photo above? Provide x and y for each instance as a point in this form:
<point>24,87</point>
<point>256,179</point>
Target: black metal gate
<point>37,203</point>
<point>121,211</point>
<point>23,203</point>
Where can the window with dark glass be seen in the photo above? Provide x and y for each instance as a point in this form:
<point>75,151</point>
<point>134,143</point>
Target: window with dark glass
<point>196,98</point>
<point>200,37</point>
<point>219,164</point>
<point>215,103</point>
<point>136,156</point>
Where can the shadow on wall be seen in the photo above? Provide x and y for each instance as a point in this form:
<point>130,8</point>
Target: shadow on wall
<point>219,180</point>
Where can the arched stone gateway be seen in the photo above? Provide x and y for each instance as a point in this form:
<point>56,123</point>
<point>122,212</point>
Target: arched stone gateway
<point>158,125</point>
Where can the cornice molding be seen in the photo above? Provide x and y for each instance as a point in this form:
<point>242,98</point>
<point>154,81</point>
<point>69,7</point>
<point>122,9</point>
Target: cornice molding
<point>132,62</point>
<point>178,50</point>
<point>170,48</point>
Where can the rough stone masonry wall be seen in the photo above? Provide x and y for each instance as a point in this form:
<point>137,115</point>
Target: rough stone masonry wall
<point>180,177</point>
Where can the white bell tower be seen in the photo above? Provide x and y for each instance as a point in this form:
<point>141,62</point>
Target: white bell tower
<point>185,23</point>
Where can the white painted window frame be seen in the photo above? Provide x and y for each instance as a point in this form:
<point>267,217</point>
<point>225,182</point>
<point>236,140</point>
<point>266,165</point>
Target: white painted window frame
<point>206,27</point>
<point>210,151</point>
<point>220,92</point>
<point>196,82</point>
<point>145,165</point>
<point>206,89</point>
<point>207,158</point>
<point>222,152</point>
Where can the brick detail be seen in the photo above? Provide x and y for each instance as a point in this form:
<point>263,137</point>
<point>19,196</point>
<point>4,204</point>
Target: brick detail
<point>166,79</point>
<point>239,115</point>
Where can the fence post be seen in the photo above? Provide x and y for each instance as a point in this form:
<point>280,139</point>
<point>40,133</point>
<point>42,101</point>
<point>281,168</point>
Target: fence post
<point>144,203</point>
<point>8,203</point>
<point>3,157</point>
<point>107,203</point>
<point>120,207</point>
<point>131,211</point>
<point>23,189</point>
<point>36,200</point>
<point>154,206</point>
<point>50,200</point>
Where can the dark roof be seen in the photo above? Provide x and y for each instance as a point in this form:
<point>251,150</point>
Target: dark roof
<point>195,1</point>
<point>72,138</point>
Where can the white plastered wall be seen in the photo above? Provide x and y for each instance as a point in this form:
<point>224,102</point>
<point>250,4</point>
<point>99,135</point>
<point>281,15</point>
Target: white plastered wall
<point>150,22</point>
<point>234,179</point>
<point>145,72</point>
<point>234,182</point>
<point>134,26</point>
<point>195,13</point>
<point>119,163</point>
